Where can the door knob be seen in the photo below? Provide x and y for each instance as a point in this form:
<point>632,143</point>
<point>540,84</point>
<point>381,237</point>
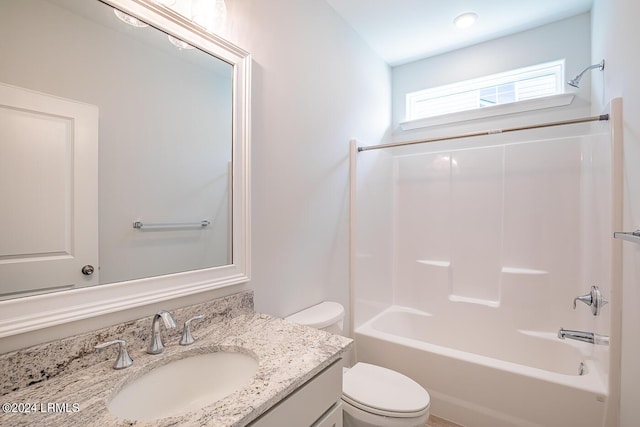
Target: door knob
<point>87,270</point>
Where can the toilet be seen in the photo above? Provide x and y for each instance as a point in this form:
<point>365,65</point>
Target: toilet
<point>372,396</point>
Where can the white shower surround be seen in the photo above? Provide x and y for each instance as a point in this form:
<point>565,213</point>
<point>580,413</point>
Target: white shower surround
<point>488,241</point>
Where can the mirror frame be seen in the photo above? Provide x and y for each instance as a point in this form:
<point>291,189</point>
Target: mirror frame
<point>31,313</point>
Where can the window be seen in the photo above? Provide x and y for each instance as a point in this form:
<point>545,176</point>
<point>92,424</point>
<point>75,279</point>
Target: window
<point>516,85</point>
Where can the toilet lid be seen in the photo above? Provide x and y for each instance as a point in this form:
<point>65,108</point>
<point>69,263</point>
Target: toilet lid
<point>319,316</point>
<point>384,392</point>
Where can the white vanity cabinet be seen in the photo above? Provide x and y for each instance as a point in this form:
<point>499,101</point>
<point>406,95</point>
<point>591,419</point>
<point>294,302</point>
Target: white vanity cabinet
<point>332,418</point>
<point>316,403</point>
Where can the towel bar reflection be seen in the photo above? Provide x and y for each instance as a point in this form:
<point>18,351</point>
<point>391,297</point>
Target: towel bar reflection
<point>632,236</point>
<point>139,224</point>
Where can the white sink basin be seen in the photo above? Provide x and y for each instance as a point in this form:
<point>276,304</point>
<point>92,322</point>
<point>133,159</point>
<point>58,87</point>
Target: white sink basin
<point>183,385</point>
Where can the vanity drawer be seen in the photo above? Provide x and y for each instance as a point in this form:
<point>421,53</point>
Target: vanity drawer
<point>308,403</point>
<point>333,418</point>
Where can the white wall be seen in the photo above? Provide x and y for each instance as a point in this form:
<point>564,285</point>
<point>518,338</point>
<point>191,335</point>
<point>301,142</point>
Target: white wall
<point>316,85</point>
<point>372,235</point>
<point>614,37</point>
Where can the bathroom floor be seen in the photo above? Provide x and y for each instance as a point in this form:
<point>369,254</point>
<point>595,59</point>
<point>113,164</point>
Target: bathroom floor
<point>440,422</point>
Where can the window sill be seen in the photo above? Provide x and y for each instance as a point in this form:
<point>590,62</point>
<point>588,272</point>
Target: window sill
<point>493,111</point>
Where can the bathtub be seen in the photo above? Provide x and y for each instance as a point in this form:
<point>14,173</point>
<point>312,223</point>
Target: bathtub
<point>474,379</point>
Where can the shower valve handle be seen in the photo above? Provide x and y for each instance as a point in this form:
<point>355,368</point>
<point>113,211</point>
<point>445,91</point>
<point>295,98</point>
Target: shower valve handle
<point>593,299</point>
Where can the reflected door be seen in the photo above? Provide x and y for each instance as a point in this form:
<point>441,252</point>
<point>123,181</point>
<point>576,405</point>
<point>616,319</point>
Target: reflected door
<point>48,192</point>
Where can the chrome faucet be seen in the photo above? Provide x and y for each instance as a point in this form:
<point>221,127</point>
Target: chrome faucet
<point>156,346</point>
<point>589,337</point>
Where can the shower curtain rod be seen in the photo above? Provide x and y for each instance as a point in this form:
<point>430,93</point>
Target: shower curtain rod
<point>487,132</point>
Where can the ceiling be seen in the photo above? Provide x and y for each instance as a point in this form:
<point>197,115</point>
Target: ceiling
<point>402,31</point>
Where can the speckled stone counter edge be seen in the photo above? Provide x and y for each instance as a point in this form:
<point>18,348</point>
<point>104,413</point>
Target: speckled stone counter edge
<point>32,365</point>
<point>288,355</point>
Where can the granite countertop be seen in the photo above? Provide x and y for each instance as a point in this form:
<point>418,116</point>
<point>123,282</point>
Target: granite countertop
<point>288,355</point>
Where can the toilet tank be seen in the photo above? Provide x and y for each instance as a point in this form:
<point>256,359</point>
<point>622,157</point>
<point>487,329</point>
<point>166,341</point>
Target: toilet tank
<point>328,316</point>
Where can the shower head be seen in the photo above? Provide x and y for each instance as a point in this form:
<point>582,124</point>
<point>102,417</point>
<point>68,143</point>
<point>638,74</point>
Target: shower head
<point>575,82</point>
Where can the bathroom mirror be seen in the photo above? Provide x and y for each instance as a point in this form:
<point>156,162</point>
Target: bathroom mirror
<point>127,163</point>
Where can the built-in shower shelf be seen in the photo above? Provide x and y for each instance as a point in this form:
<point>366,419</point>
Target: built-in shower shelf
<point>434,263</point>
<point>471,300</point>
<point>631,236</point>
<point>526,271</point>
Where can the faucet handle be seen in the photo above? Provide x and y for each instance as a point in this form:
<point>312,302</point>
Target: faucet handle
<point>123,360</point>
<point>593,299</point>
<point>187,338</point>
<point>587,299</point>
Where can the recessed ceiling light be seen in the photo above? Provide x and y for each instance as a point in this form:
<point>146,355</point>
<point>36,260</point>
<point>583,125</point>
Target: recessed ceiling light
<point>465,20</point>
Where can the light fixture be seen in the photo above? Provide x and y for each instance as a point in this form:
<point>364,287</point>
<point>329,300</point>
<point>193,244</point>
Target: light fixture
<point>210,14</point>
<point>465,20</point>
<point>134,22</point>
<point>179,43</point>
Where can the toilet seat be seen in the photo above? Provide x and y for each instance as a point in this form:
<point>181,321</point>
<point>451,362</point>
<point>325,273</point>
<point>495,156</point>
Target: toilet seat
<point>319,316</point>
<point>381,391</point>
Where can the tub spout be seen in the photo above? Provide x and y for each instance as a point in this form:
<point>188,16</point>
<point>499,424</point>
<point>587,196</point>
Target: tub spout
<point>589,337</point>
